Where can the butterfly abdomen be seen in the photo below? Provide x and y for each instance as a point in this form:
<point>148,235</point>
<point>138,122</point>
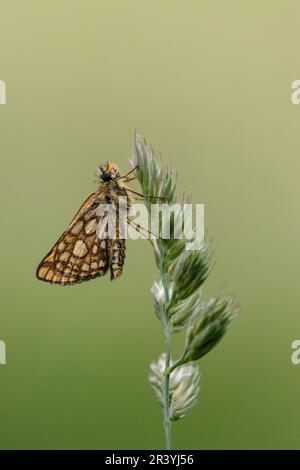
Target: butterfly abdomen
<point>117,250</point>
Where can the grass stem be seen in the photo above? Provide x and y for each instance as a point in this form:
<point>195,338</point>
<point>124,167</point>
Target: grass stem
<point>166,388</point>
<point>166,393</point>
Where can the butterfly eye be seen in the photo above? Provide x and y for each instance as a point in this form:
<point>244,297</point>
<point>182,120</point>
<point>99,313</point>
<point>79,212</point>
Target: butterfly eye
<point>106,176</point>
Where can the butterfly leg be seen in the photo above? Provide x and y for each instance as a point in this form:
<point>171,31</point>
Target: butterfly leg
<point>127,174</point>
<point>141,229</point>
<point>130,179</point>
<point>146,197</point>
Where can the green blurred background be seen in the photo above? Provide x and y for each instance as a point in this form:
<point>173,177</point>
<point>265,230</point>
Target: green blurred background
<point>209,84</point>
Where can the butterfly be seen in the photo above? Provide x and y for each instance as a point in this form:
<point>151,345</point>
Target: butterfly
<point>80,254</point>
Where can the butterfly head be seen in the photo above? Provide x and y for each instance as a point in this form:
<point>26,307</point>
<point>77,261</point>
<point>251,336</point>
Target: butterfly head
<point>108,173</point>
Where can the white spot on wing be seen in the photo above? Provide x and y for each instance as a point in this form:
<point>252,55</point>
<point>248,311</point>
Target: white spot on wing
<point>77,227</point>
<point>80,249</point>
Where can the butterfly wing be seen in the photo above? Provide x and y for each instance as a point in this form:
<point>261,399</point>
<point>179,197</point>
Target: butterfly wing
<point>78,255</point>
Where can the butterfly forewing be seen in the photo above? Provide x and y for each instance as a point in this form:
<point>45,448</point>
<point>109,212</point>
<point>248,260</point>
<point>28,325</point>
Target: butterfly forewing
<point>79,254</point>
